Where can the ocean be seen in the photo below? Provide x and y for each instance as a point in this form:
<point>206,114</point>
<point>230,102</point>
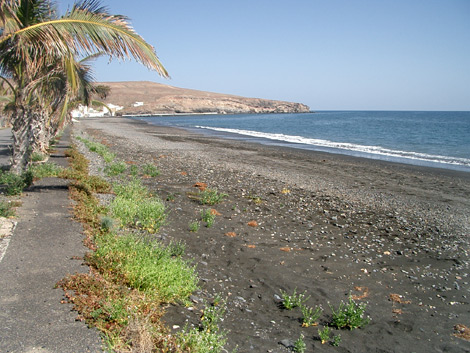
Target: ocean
<point>433,139</point>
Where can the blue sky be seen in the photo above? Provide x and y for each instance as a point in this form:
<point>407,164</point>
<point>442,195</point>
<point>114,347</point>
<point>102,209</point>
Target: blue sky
<point>328,54</point>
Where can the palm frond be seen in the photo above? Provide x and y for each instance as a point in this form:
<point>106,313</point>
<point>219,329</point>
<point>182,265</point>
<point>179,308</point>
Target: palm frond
<point>88,29</point>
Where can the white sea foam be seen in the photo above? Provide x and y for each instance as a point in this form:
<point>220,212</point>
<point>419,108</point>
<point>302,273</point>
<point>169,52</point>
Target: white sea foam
<point>375,150</point>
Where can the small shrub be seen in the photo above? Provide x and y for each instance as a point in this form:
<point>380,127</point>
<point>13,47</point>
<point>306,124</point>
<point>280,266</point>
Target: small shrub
<point>291,301</point>
<point>350,315</point>
<point>210,197</point>
<point>115,168</point>
<point>310,315</point>
<point>150,170</point>
<point>209,217</point>
<point>107,224</point>
<point>336,340</point>
<point>299,345</point>
<point>324,334</point>
<point>194,226</point>
<point>6,209</point>
<point>16,183</point>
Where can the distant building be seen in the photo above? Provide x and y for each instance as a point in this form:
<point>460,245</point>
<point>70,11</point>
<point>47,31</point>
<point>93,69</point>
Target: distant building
<point>89,112</point>
<point>138,104</point>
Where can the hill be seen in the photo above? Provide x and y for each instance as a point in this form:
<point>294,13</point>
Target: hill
<point>164,99</point>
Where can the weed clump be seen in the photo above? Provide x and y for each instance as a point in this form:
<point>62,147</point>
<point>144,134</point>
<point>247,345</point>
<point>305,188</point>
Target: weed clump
<point>208,216</point>
<point>210,197</point>
<point>14,183</point>
<point>6,209</point>
<point>350,315</point>
<point>291,301</point>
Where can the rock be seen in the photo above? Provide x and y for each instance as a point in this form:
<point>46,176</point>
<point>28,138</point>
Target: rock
<point>287,343</point>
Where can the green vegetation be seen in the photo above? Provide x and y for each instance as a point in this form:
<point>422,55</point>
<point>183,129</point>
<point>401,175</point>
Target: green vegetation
<point>324,334</point>
<point>208,338</point>
<point>99,148</point>
<point>133,170</point>
<point>115,168</point>
<point>45,170</point>
<point>299,345</point>
<point>14,183</point>
<point>290,302</point>
<point>145,265</point>
<point>336,340</point>
<point>6,209</point>
<point>38,157</point>
<point>150,170</point>
<point>210,197</point>
<point>208,216</point>
<point>310,315</point>
<point>194,226</point>
<point>135,207</point>
<point>350,315</point>
<point>133,275</point>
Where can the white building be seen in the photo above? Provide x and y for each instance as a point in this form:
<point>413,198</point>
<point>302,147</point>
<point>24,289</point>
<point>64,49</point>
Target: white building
<point>89,112</point>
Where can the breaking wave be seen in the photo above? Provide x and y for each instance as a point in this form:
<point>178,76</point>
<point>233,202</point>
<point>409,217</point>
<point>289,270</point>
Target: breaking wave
<point>374,150</point>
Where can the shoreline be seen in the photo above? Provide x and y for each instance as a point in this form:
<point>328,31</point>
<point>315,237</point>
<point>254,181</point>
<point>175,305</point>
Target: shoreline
<point>289,146</point>
<point>264,139</point>
<point>330,225</point>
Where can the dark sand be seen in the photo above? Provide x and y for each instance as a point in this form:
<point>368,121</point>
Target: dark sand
<point>329,225</point>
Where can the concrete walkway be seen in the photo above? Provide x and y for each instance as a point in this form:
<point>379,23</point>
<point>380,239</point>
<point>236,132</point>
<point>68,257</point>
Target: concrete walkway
<point>41,252</point>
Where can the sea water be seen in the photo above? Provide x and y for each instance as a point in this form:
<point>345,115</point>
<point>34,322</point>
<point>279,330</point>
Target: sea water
<point>435,139</point>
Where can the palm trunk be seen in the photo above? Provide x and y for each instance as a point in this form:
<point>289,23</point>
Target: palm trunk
<point>22,139</point>
<point>40,132</point>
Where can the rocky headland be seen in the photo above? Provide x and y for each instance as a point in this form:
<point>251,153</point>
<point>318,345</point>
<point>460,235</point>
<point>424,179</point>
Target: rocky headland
<point>158,98</point>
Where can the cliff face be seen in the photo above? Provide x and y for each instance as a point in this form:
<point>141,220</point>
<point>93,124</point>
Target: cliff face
<point>164,99</point>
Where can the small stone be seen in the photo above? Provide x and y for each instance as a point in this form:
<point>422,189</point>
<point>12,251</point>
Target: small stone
<point>287,343</point>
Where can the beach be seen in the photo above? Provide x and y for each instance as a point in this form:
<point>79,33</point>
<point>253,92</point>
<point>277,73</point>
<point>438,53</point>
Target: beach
<point>392,236</point>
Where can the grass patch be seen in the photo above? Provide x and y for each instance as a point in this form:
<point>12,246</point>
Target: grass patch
<point>150,170</point>
<point>135,207</point>
<point>115,168</point>
<point>99,148</point>
<point>145,265</point>
<point>45,170</point>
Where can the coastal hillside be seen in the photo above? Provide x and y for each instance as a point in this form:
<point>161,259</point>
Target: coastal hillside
<point>143,97</point>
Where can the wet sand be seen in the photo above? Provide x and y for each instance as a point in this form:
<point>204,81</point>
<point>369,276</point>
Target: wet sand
<point>394,236</point>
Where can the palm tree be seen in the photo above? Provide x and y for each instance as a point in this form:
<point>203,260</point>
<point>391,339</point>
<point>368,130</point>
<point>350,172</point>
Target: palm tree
<point>38,52</point>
